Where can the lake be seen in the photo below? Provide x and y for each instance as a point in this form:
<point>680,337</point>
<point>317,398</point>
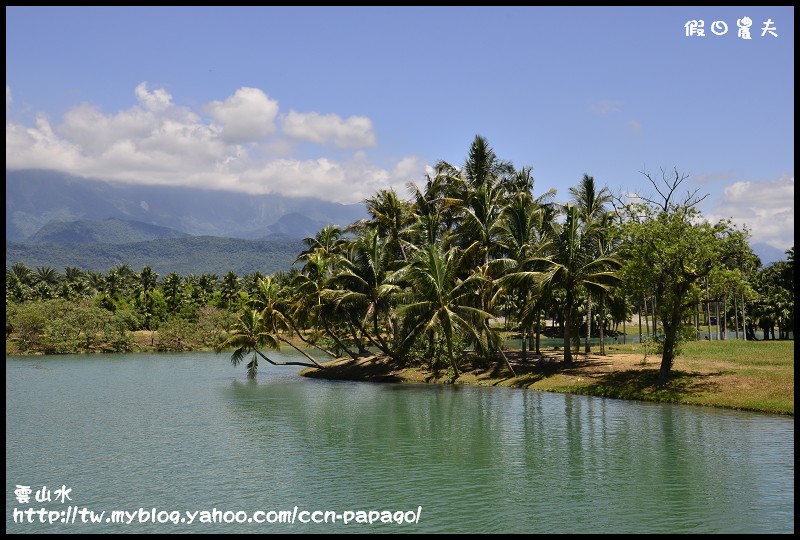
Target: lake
<point>163,441</point>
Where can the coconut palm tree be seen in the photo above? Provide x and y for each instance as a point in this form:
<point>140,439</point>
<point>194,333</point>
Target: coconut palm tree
<point>147,284</point>
<point>591,204</point>
<point>441,305</point>
<point>391,218</point>
<point>521,234</point>
<point>575,263</point>
<point>250,334</point>
<point>269,301</point>
<point>360,286</point>
<point>313,305</point>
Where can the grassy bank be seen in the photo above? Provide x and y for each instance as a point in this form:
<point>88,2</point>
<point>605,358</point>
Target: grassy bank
<point>755,376</point>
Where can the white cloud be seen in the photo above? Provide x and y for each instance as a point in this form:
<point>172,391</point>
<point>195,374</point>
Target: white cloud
<point>348,181</point>
<point>247,116</point>
<point>634,125</point>
<point>155,101</point>
<point>766,208</point>
<point>158,142</point>
<point>39,147</point>
<point>355,132</point>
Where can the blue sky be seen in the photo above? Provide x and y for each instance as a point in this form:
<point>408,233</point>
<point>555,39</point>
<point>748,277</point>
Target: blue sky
<point>339,102</point>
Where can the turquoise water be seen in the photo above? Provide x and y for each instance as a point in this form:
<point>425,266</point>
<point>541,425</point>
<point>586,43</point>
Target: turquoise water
<point>188,433</point>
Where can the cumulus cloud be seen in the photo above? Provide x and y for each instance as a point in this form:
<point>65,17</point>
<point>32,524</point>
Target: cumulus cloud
<point>355,132</point>
<point>247,116</point>
<point>346,181</point>
<point>155,101</point>
<point>235,147</point>
<point>766,208</point>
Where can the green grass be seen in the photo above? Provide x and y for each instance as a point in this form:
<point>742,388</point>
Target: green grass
<point>749,375</point>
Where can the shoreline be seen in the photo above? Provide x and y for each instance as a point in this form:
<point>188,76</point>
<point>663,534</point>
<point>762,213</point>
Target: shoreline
<point>616,375</point>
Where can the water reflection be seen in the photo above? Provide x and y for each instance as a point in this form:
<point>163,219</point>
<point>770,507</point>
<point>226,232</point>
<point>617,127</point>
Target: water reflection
<point>187,432</point>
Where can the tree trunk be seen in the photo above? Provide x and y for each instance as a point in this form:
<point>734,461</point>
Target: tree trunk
<point>567,325</point>
<point>588,347</point>
<point>602,325</point>
<point>708,310</point>
<point>724,328</point>
<point>744,320</point>
<point>697,321</point>
<point>671,329</point>
<point>640,324</point>
<point>646,321</point>
<point>655,318</point>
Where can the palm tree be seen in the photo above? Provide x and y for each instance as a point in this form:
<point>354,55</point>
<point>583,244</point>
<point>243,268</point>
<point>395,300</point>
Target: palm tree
<point>24,274</point>
<point>127,279</point>
<point>268,300</point>
<point>251,335</point>
<point>147,283</point>
<point>391,217</point>
<point>206,284</point>
<point>311,302</point>
<point>48,275</point>
<point>441,304</point>
<point>592,206</point>
<point>230,288</point>
<point>328,242</point>
<point>574,263</point>
<point>360,285</point>
<point>521,235</point>
<point>173,291</point>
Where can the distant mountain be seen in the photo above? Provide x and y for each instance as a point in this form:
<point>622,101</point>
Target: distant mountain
<point>109,231</point>
<point>191,255</point>
<point>768,254</point>
<point>294,225</point>
<point>35,198</point>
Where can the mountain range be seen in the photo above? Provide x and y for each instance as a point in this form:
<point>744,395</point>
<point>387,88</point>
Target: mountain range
<point>58,220</point>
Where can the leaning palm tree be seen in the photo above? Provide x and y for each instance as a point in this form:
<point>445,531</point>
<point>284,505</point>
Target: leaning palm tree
<point>269,301</point>
<point>250,334</point>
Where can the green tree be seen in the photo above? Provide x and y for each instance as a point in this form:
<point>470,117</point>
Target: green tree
<point>147,283</point>
<point>669,248</point>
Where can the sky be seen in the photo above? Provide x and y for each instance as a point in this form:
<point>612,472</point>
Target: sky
<point>339,102</point>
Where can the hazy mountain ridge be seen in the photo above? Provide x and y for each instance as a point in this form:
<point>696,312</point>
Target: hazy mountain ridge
<point>768,254</point>
<point>109,231</point>
<point>35,198</point>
